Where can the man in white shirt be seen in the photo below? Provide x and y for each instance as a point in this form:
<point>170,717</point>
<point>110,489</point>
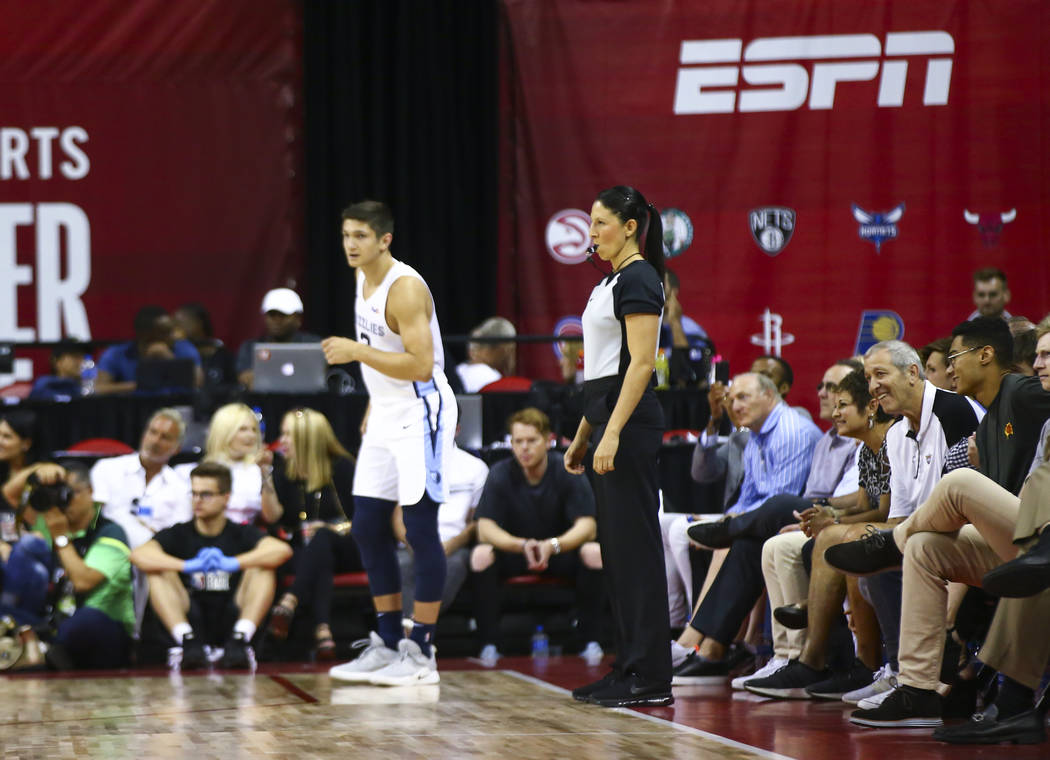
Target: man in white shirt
<point>141,492</point>
<point>488,362</point>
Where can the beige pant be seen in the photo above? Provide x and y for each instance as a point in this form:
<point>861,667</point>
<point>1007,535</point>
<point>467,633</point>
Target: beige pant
<point>787,582</point>
<point>965,529</point>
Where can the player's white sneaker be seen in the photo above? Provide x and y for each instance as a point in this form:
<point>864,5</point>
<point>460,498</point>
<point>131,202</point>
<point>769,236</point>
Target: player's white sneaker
<point>376,656</point>
<point>411,669</point>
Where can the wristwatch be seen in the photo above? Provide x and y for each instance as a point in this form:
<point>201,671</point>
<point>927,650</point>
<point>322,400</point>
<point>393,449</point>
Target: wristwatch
<point>62,541</point>
<point>556,546</point>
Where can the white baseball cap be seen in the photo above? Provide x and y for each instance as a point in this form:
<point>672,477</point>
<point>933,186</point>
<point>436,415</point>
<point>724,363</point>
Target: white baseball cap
<point>284,300</point>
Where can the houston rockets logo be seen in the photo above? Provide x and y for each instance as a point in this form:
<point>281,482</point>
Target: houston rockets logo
<point>990,226</point>
<point>878,228</point>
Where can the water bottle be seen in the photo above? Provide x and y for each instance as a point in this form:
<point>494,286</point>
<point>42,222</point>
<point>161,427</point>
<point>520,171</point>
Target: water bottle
<point>662,370</point>
<point>257,411</point>
<point>541,645</point>
<point>88,373</point>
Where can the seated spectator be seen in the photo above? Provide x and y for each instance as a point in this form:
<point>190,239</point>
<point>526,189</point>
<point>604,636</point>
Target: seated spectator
<point>1024,348</point>
<point>154,339</point>
<point>931,436</point>
<point>141,492</point>
<point>934,358</point>
<point>782,451</point>
<point>534,517</point>
<point>93,554</point>
<point>991,294</point>
<point>683,338</point>
<point>24,559</point>
<point>456,525</point>
<point>235,440</point>
<point>488,362</point>
<point>314,484</point>
<point>282,310</point>
<point>211,580</point>
<point>778,370</point>
<point>64,382</point>
<point>193,323</point>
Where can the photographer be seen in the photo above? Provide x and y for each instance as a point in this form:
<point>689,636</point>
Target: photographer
<point>93,553</point>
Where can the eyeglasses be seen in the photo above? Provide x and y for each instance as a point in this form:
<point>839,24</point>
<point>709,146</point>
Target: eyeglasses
<point>950,359</point>
<point>829,387</point>
<point>204,495</point>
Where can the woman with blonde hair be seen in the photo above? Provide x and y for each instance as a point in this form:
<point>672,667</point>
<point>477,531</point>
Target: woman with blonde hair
<point>314,484</point>
<point>235,440</point>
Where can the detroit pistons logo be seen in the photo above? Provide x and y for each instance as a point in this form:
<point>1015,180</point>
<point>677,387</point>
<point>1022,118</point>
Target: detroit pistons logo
<point>568,235</point>
<point>772,227</point>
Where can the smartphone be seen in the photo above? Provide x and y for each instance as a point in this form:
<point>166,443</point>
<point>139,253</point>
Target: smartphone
<point>722,371</point>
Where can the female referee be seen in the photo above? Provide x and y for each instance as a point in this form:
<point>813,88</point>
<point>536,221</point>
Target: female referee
<point>621,325</point>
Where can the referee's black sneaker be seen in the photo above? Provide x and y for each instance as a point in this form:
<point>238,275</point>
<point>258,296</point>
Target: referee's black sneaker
<point>876,552</point>
<point>633,691</point>
<point>582,693</point>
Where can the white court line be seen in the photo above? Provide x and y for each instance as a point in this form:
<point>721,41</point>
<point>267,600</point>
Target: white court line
<point>663,721</point>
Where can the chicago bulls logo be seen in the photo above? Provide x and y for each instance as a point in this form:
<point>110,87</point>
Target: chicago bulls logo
<point>990,226</point>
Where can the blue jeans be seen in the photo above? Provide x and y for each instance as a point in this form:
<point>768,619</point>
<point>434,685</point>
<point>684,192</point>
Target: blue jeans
<point>26,576</point>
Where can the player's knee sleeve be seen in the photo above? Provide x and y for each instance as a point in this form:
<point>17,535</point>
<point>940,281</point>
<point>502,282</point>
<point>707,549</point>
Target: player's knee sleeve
<point>376,544</point>
<point>421,529</point>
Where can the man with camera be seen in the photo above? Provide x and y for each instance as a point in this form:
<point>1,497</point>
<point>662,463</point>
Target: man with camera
<point>211,579</point>
<point>93,552</point>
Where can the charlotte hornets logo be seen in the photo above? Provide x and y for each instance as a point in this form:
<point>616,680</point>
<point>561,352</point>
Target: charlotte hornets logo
<point>878,228</point>
<point>678,231</point>
<point>772,227</point>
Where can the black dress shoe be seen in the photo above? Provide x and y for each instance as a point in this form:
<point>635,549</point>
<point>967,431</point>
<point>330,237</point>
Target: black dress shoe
<point>876,552</point>
<point>985,728</point>
<point>1027,575</point>
<point>793,616</point>
<point>711,535</point>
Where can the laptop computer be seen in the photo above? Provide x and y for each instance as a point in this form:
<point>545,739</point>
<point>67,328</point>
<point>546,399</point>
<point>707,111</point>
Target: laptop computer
<point>289,368</point>
<point>469,436</point>
<point>165,375</point>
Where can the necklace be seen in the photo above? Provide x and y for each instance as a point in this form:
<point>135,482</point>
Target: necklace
<point>624,262</point>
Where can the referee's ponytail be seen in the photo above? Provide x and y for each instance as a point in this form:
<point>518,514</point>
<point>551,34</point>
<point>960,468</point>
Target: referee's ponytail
<point>628,203</point>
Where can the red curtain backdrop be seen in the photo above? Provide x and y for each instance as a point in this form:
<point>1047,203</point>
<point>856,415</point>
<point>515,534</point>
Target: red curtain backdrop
<point>149,153</point>
<point>910,115</point>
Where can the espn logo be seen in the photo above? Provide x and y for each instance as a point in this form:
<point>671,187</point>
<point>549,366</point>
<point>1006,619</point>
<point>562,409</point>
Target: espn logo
<point>784,84</point>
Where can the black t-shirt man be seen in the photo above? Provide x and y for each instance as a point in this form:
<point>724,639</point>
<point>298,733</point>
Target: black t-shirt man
<point>184,542</point>
<point>546,509</point>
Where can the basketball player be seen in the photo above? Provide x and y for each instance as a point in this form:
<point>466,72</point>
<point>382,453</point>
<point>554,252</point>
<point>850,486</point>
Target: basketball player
<point>408,432</point>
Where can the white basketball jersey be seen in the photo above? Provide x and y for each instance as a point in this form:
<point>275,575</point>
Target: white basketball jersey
<point>373,329</point>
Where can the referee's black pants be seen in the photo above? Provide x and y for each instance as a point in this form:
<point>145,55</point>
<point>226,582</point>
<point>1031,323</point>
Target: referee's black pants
<point>633,553</point>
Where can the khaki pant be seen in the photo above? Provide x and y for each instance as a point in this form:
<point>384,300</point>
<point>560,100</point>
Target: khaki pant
<point>787,582</point>
<point>966,528</point>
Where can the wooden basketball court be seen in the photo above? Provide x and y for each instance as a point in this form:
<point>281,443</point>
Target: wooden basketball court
<point>521,710</point>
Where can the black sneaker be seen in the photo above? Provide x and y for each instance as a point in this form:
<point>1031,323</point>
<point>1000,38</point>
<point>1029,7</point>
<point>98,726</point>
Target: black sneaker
<point>876,552</point>
<point>237,655</point>
<point>711,535</point>
<point>792,616</point>
<point>193,655</point>
<point>857,677</point>
<point>738,657</point>
<point>790,682</point>
<point>581,693</point>
<point>633,691</point>
<point>696,670</point>
<point>905,707</point>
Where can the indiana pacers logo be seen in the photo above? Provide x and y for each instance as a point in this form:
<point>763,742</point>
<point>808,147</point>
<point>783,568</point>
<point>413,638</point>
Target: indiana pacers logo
<point>877,325</point>
<point>772,227</point>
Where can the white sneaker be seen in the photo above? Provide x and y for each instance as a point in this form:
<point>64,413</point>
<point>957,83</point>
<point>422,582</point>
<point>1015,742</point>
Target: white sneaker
<point>592,653</point>
<point>870,703</point>
<point>883,682</point>
<point>489,655</point>
<point>410,669</point>
<point>679,653</point>
<point>376,655</point>
<point>765,671</point>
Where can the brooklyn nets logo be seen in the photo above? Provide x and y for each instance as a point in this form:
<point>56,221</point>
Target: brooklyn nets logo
<point>772,227</point>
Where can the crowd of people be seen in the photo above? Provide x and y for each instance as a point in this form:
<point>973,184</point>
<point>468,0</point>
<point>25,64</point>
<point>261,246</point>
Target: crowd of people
<point>892,553</point>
